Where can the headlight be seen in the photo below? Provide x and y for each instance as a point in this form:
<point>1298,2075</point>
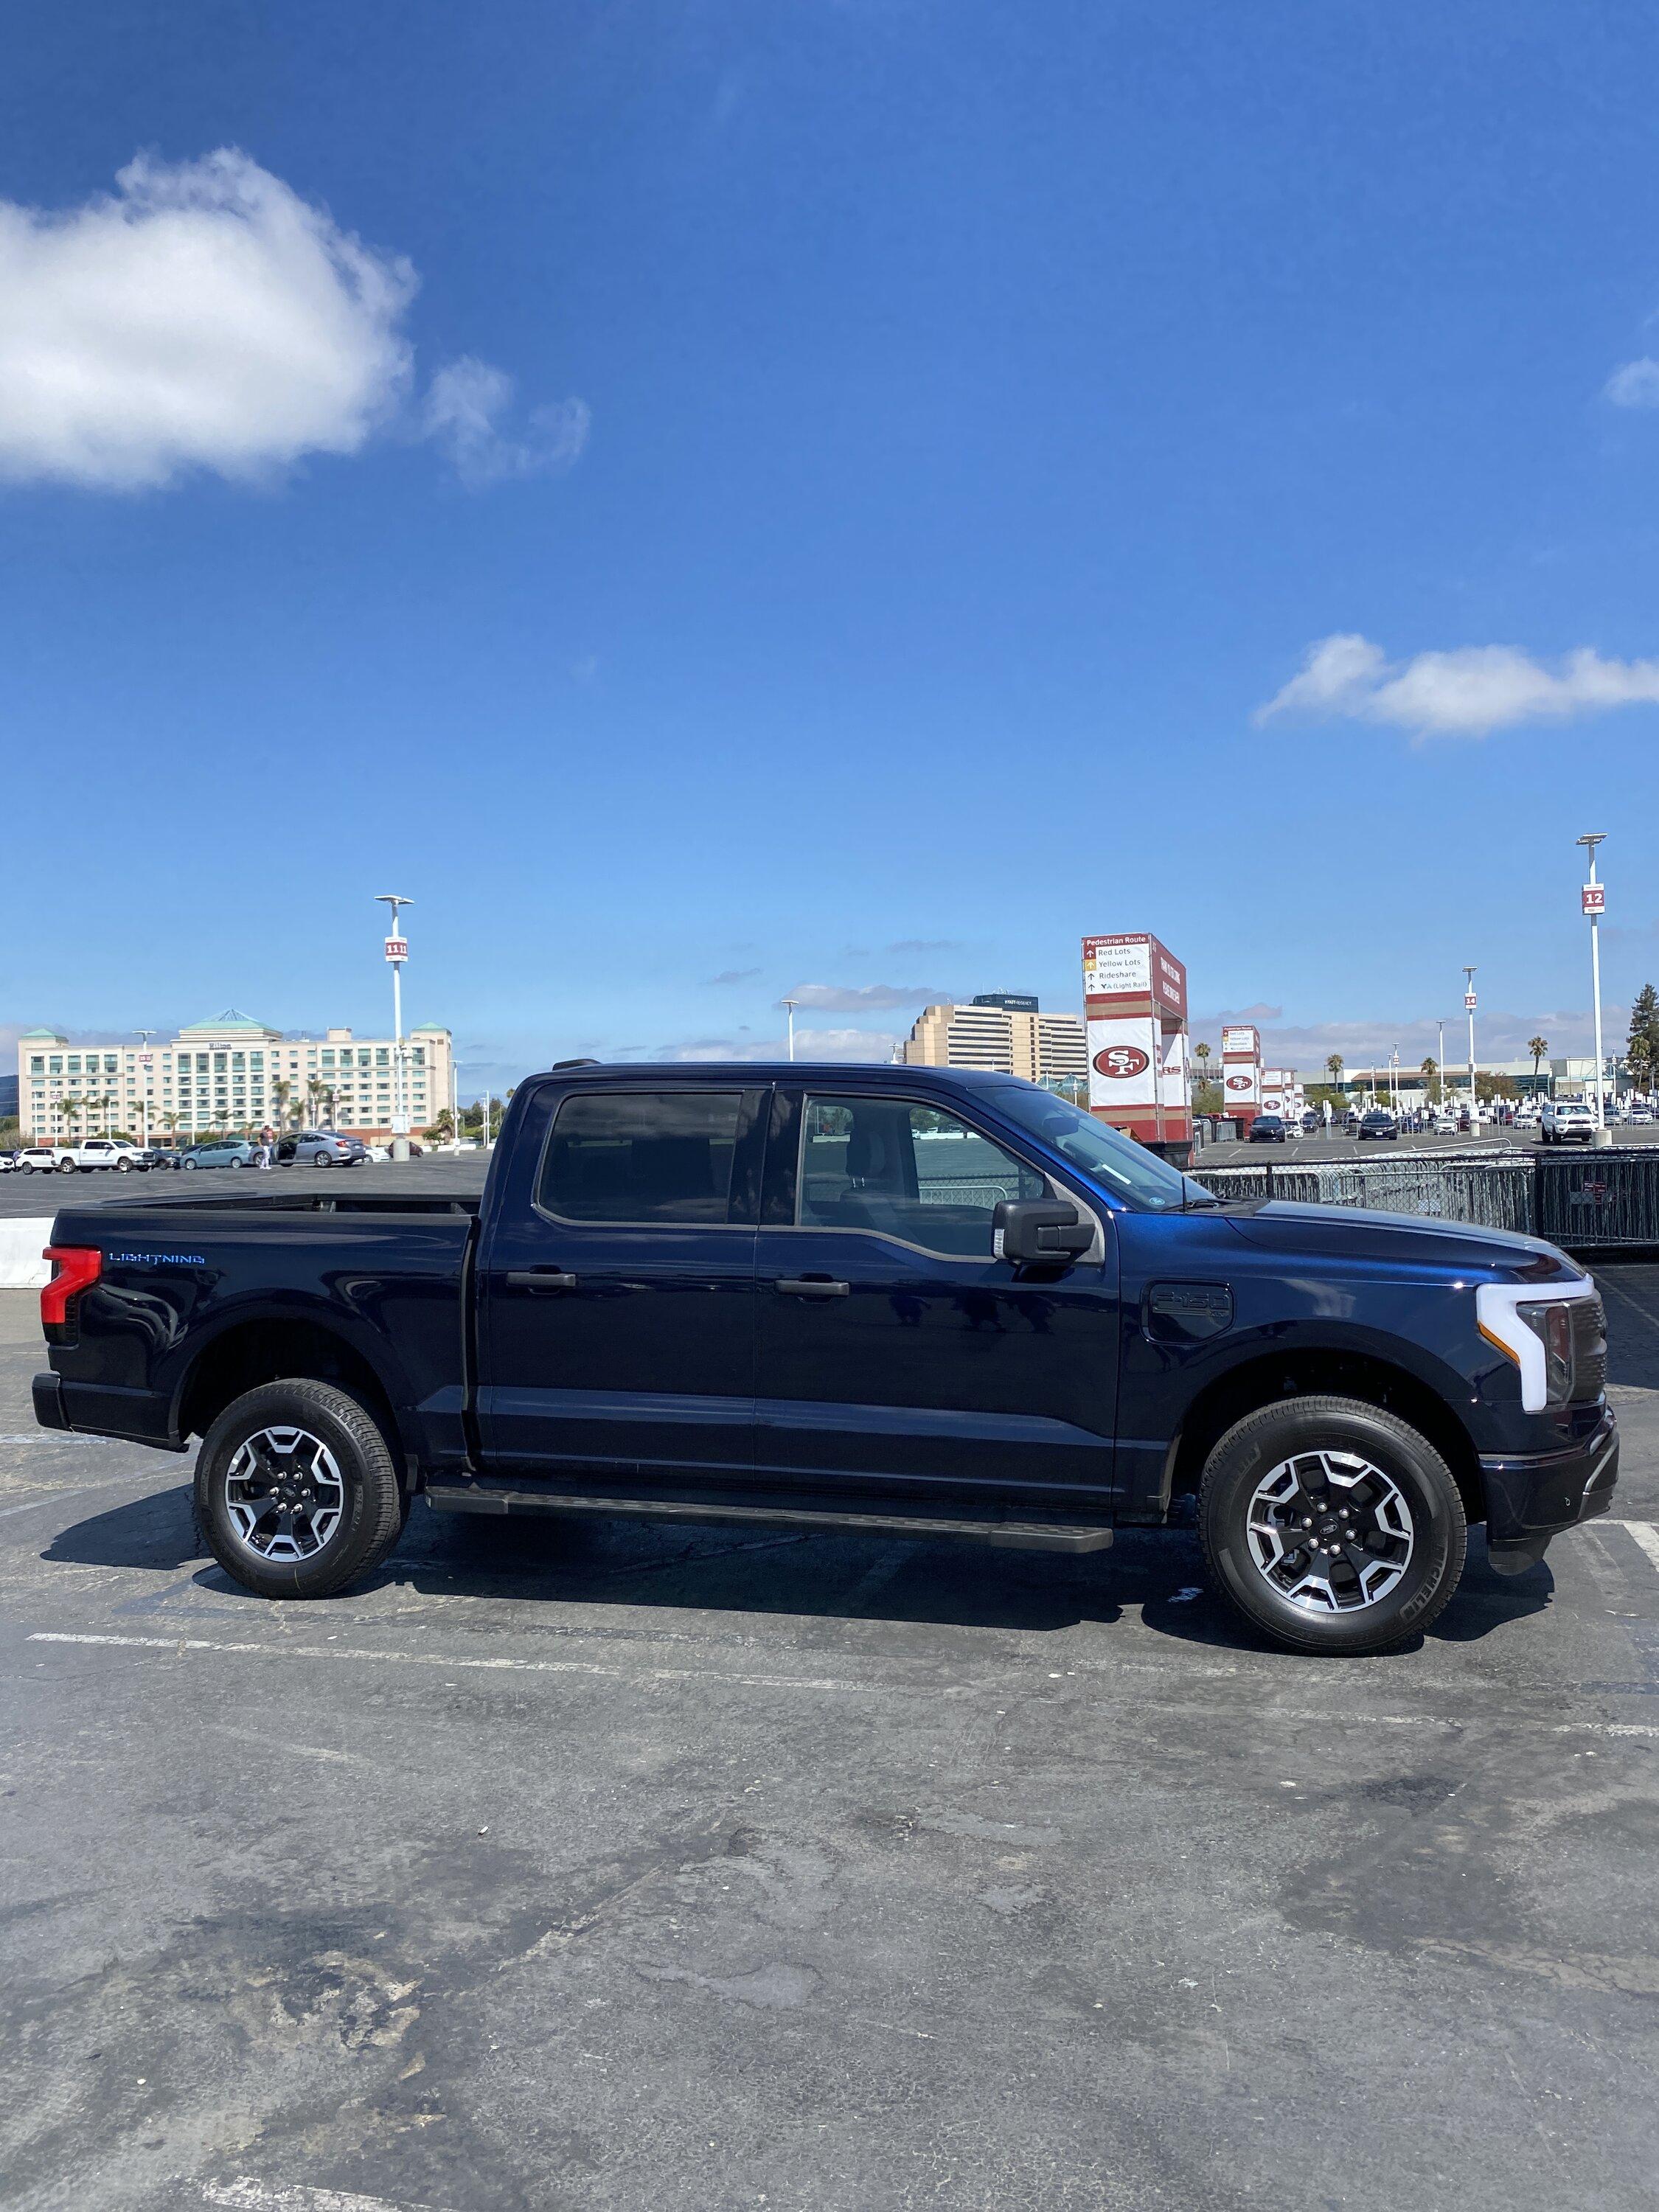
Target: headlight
<point>1536,1333</point>
<point>1551,1325</point>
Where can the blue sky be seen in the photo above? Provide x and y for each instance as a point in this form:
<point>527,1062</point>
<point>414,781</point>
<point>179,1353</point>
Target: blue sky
<point>725,499</point>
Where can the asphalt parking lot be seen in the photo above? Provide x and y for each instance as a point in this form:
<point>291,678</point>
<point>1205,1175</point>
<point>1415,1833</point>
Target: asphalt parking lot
<point>44,1194</point>
<point>1239,1153</point>
<point>608,1867</point>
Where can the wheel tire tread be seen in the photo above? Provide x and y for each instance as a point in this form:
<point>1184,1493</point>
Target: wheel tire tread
<point>1218,1468</point>
<point>381,1520</point>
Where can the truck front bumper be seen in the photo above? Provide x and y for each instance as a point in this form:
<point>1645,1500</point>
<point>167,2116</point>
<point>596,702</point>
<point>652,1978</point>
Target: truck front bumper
<point>1533,1497</point>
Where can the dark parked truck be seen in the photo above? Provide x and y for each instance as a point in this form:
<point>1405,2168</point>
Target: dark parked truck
<point>896,1300</point>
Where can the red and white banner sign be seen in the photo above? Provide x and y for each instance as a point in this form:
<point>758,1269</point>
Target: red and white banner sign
<point>396,948</point>
<point>1469,1000</point>
<point>1596,898</point>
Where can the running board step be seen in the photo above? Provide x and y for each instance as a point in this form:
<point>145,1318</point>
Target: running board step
<point>1012,1535</point>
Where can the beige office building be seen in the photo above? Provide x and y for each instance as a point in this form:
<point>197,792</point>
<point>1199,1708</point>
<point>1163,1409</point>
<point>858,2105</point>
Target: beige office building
<point>1012,1039</point>
<point>232,1072</point>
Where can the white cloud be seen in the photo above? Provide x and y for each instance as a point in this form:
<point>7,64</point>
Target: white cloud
<point>1635,385</point>
<point>1468,692</point>
<point>468,406</point>
<point>205,316</point>
<point>809,1044</point>
<point>867,998</point>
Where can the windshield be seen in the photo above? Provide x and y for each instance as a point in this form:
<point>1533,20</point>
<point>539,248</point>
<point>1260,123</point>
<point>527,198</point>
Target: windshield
<point>1099,1150</point>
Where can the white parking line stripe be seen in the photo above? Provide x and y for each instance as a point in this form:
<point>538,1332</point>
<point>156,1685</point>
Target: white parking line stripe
<point>1645,1535</point>
<point>1299,1715</point>
<point>246,2195</point>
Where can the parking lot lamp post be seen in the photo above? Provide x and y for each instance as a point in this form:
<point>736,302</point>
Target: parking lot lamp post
<point>789,1006</point>
<point>1594,899</point>
<point>144,1036</point>
<point>1468,1008</point>
<point>397,952</point>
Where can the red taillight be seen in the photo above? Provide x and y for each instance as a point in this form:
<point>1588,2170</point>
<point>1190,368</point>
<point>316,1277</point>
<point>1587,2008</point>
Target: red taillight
<point>74,1268</point>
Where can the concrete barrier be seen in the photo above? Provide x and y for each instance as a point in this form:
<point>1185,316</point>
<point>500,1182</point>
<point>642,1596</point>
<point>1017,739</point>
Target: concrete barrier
<point>21,1243</point>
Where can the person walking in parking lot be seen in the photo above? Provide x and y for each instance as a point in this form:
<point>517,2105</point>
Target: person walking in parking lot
<point>267,1141</point>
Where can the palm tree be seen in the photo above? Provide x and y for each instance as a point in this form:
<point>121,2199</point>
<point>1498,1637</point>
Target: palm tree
<point>1333,1069</point>
<point>1202,1054</point>
<point>170,1120</point>
<point>316,1089</point>
<point>1540,1049</point>
<point>281,1090</point>
<point>1429,1069</point>
<point>70,1107</point>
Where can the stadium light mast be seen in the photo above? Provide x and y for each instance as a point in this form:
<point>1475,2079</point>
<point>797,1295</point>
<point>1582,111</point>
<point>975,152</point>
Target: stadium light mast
<point>397,952</point>
<point>1468,1008</point>
<point>1594,899</point>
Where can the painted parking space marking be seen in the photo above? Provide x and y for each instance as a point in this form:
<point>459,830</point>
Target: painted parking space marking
<point>182,1646</point>
<point>246,2195</point>
<point>1643,1532</point>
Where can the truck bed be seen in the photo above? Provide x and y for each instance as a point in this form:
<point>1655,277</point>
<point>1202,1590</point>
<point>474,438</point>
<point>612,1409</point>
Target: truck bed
<point>192,1290</point>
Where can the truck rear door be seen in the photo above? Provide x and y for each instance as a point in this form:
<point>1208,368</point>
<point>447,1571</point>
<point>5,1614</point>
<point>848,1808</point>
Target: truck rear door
<point>616,1293</point>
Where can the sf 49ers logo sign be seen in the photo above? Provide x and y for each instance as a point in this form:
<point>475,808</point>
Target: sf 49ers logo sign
<point>1238,1083</point>
<point>1122,1060</point>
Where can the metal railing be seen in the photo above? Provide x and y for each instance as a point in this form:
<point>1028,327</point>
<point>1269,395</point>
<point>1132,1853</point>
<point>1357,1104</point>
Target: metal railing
<point>1587,1201</point>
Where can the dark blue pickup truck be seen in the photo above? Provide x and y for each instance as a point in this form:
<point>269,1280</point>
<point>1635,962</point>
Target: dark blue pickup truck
<point>911,1300</point>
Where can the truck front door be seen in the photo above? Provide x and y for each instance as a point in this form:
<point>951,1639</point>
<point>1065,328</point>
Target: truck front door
<point>896,1349</point>
<point>616,1282</point>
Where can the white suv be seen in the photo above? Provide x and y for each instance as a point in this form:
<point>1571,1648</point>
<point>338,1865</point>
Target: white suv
<point>1564,1121</point>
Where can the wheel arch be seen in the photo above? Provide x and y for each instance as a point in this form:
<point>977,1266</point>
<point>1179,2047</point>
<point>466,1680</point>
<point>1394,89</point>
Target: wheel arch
<point>252,1350</point>
<point>1317,1371</point>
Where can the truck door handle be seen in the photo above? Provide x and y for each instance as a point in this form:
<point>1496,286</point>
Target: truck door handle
<point>539,1279</point>
<point>812,1286</point>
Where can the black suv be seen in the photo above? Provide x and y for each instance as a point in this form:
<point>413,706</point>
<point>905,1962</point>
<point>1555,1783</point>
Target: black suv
<point>1379,1123</point>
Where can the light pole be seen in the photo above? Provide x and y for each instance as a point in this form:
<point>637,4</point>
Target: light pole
<point>1468,1008</point>
<point>397,952</point>
<point>146,1061</point>
<point>789,1006</point>
<point>1440,1066</point>
<point>1594,899</point>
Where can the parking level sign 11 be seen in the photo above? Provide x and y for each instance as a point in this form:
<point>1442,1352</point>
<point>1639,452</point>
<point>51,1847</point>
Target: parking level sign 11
<point>396,948</point>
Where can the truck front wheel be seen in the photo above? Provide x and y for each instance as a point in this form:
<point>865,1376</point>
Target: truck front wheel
<point>296,1491</point>
<point>1332,1525</point>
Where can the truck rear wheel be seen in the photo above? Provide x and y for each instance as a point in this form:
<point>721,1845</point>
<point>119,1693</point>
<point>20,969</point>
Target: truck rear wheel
<point>1332,1525</point>
<point>296,1490</point>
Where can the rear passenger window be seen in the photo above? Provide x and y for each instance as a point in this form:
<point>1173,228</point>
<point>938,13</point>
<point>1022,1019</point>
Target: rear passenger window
<point>634,1157</point>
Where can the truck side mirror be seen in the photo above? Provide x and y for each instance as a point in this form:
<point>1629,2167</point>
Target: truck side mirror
<point>1039,1233</point>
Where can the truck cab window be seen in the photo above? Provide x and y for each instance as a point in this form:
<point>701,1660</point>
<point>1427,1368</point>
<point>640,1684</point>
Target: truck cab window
<point>908,1172</point>
<point>634,1157</point>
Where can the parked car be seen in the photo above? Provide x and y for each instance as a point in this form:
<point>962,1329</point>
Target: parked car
<point>1312,1123</point>
<point>1446,1123</point>
<point>1639,1114</point>
<point>886,1335</point>
<point>320,1148</point>
<point>1269,1129</point>
<point>220,1153</point>
<point>37,1160</point>
<point>1567,1121</point>
<point>93,1153</point>
<point>1379,1123</point>
<point>161,1156</point>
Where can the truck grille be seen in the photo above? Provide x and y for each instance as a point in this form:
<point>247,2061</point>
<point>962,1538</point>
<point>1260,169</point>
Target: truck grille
<point>1589,1349</point>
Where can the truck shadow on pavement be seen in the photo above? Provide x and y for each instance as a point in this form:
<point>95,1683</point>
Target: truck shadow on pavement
<point>785,1573</point>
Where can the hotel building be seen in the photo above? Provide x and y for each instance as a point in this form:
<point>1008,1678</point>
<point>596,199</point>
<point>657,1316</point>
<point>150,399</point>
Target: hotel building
<point>231,1072</point>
